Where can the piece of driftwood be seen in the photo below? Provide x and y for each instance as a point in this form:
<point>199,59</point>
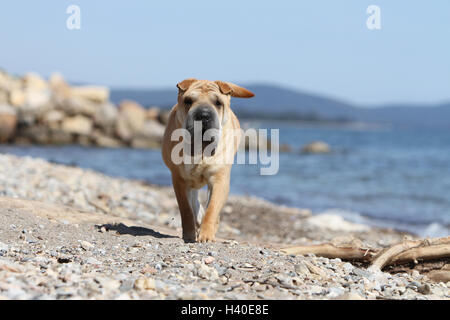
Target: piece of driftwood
<point>386,257</point>
<point>329,250</point>
<point>408,250</point>
<point>439,275</point>
<point>423,253</point>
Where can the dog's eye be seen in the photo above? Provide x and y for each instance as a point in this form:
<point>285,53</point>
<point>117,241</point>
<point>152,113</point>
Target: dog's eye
<point>218,103</point>
<point>188,101</point>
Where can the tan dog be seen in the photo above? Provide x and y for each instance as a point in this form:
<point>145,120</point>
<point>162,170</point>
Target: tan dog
<point>208,103</point>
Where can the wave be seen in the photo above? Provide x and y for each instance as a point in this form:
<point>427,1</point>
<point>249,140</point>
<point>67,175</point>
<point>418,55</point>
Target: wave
<point>423,230</point>
<point>435,230</point>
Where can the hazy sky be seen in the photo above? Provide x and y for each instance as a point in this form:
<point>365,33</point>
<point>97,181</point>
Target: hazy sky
<point>318,46</point>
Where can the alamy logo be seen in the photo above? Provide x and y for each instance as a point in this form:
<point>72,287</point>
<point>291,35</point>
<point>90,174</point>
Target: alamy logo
<point>73,22</point>
<point>374,20</point>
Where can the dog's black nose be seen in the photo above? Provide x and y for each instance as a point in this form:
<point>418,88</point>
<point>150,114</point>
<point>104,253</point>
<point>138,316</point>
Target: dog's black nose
<point>203,114</point>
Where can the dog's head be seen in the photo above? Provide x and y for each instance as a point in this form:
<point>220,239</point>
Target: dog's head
<point>204,106</point>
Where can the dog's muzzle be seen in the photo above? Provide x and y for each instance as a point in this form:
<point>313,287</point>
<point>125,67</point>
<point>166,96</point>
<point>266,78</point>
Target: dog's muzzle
<point>203,126</point>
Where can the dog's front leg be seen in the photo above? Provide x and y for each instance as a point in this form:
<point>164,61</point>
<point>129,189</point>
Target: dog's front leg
<point>218,193</point>
<point>187,216</point>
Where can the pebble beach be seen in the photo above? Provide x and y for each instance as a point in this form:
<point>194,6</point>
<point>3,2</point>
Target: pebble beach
<point>71,233</point>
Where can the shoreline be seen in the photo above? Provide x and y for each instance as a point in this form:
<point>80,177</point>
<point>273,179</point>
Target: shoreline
<point>72,233</point>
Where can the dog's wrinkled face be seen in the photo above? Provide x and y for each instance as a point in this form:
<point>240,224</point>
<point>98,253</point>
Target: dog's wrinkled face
<point>203,102</point>
<point>203,108</point>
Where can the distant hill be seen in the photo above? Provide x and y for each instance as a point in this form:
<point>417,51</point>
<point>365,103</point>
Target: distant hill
<point>409,115</point>
<point>276,102</point>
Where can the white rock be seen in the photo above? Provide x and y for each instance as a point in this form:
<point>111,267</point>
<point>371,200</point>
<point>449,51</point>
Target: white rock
<point>316,147</point>
<point>348,267</point>
<point>207,273</point>
<point>4,247</point>
<point>144,283</point>
<point>92,93</point>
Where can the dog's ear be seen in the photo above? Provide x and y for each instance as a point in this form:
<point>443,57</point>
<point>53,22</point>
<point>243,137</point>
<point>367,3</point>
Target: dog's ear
<point>185,84</point>
<point>234,90</point>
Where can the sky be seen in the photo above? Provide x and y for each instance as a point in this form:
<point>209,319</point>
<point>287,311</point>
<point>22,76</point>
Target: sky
<point>318,46</point>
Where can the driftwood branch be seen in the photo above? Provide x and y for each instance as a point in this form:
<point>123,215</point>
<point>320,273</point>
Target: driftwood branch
<point>386,257</point>
<point>413,250</point>
<point>423,253</point>
<point>329,250</point>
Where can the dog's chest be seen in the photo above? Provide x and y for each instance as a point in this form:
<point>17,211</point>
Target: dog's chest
<point>196,175</point>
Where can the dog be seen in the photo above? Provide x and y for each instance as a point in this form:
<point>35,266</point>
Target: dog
<point>206,103</point>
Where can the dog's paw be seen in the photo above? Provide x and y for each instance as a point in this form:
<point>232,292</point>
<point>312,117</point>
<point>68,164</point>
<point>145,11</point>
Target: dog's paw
<point>206,234</point>
<point>189,237</point>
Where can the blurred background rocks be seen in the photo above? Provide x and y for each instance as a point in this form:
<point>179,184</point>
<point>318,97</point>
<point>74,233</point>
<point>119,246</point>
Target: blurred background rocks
<point>38,111</point>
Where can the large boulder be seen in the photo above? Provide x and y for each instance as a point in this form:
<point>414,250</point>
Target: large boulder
<point>58,136</point>
<point>35,99</point>
<point>149,137</point>
<point>316,147</point>
<point>84,140</point>
<point>17,97</point>
<point>4,97</point>
<point>78,125</point>
<point>8,122</point>
<point>130,120</point>
<point>4,80</point>
<point>105,117</point>
<point>152,130</point>
<point>8,82</point>
<point>143,143</point>
<point>163,117</point>
<point>76,105</point>
<point>34,82</point>
<point>59,87</point>
<point>53,119</point>
<point>105,141</point>
<point>78,100</point>
<point>34,105</point>
<point>37,134</point>
<point>153,113</point>
<point>95,94</point>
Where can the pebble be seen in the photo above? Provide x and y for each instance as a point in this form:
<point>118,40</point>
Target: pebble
<point>3,248</point>
<point>361,273</point>
<point>205,272</point>
<point>348,267</point>
<point>126,285</point>
<point>424,289</point>
<point>86,245</point>
<point>315,269</point>
<point>144,283</point>
<point>92,260</point>
<point>335,292</point>
<point>183,249</point>
<point>301,269</point>
<point>209,260</point>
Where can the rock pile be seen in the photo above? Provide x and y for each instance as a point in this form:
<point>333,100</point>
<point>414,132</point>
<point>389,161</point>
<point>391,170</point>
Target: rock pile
<point>33,110</point>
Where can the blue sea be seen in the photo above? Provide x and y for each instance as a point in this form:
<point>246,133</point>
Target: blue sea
<point>397,178</point>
